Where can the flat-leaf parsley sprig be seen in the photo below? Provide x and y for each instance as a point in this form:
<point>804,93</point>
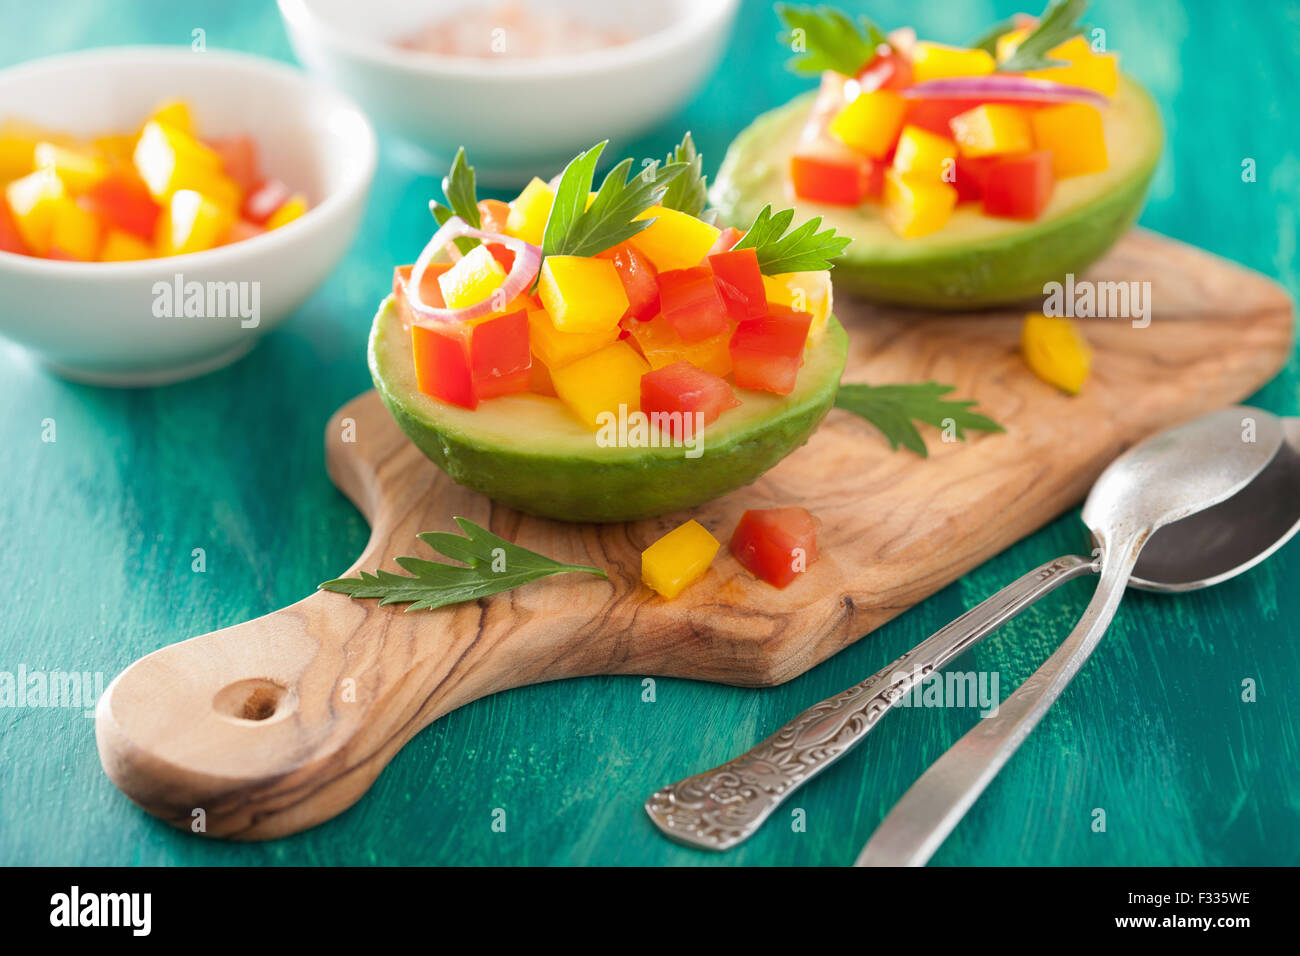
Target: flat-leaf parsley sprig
<point>1058,23</point>
<point>490,565</point>
<point>892,408</point>
<point>824,38</point>
<point>802,250</point>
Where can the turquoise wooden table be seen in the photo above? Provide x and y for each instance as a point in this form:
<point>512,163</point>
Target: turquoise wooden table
<point>101,527</point>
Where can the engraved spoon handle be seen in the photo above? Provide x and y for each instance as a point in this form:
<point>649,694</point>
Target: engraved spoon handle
<point>721,807</point>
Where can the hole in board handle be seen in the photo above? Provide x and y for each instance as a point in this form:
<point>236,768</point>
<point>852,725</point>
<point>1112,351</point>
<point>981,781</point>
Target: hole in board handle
<point>256,700</point>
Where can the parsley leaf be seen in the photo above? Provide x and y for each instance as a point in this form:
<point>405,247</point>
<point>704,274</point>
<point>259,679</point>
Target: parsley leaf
<point>460,189</point>
<point>988,40</point>
<point>803,250</point>
<point>891,408</point>
<point>824,38</point>
<point>1058,23</point>
<point>577,229</point>
<point>492,564</point>
<point>687,192</point>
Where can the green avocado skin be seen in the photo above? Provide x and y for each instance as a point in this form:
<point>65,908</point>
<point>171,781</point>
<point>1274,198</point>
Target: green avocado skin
<point>629,487</point>
<point>981,274</point>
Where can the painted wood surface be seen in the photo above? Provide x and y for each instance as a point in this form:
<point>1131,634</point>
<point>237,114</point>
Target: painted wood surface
<point>103,527</point>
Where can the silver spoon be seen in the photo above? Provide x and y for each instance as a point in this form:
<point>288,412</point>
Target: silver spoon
<point>720,808</point>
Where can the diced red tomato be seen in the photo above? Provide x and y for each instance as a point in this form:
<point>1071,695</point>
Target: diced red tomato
<point>889,70</point>
<point>262,202</point>
<point>766,353</point>
<point>934,115</point>
<point>238,160</point>
<point>740,283</point>
<point>430,291</point>
<point>242,229</point>
<point>639,278</point>
<point>682,388</point>
<point>10,239</point>
<point>125,203</point>
<point>466,363</point>
<point>492,214</point>
<point>500,347</point>
<point>1019,188</point>
<point>973,176</point>
<point>442,367</point>
<point>730,236</point>
<point>844,180</point>
<point>690,302</point>
<point>776,544</point>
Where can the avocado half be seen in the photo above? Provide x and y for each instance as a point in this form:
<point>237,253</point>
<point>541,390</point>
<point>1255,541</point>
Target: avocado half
<point>974,261</point>
<point>527,451</point>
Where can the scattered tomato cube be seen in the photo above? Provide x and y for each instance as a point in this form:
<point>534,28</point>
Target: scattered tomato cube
<point>671,393</point>
<point>582,294</point>
<point>916,207</point>
<point>596,385</point>
<point>1055,351</point>
<point>529,212</point>
<point>674,240</point>
<point>935,61</point>
<point>993,129</point>
<point>1073,134</point>
<point>689,301</point>
<point>766,353</point>
<point>678,558</point>
<point>776,544</point>
<point>1019,187</point>
<point>740,283</point>
<point>871,122</point>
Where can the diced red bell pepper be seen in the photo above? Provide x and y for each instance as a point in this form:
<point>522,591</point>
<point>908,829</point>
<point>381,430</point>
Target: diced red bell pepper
<point>889,70</point>
<point>837,180</point>
<point>740,283</point>
<point>690,302</point>
<point>775,544</point>
<point>640,280</point>
<point>973,176</point>
<point>727,241</point>
<point>1019,187</point>
<point>125,203</point>
<point>11,239</point>
<point>261,204</point>
<point>766,353</point>
<point>238,160</point>
<point>684,389</point>
<point>466,363</point>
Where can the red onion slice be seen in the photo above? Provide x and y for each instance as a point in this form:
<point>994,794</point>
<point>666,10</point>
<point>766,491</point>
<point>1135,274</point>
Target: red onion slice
<point>528,259</point>
<point>1004,87</point>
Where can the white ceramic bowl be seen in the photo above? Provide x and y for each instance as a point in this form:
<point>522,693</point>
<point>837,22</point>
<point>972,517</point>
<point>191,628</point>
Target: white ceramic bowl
<point>517,118</point>
<point>99,322</point>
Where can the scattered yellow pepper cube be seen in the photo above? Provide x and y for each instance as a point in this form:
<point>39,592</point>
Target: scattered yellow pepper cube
<point>678,558</point>
<point>176,114</point>
<point>293,207</point>
<point>925,154</point>
<point>191,222</point>
<point>992,129</point>
<point>557,349</point>
<point>78,170</point>
<point>808,292</point>
<point>168,159</point>
<point>1074,134</point>
<point>529,212</point>
<point>870,123</point>
<point>75,233</point>
<point>597,384</point>
<point>914,207</point>
<point>934,61</point>
<point>582,294</point>
<point>1055,351</point>
<point>121,246</point>
<point>1095,71</point>
<point>34,200</point>
<point>674,240</point>
<point>473,279</point>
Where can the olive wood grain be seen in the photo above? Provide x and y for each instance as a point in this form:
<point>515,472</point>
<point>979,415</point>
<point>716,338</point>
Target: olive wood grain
<point>280,723</point>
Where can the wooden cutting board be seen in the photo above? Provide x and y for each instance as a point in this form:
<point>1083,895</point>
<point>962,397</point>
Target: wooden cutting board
<point>280,723</point>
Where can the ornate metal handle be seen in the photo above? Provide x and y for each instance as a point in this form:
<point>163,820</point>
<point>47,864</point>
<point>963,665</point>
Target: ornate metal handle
<point>722,807</point>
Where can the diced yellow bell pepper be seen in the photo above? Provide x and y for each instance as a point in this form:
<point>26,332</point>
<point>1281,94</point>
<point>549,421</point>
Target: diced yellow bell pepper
<point>78,170</point>
<point>993,129</point>
<point>678,558</point>
<point>1056,351</point>
<point>114,148</point>
<point>529,212</point>
<point>934,61</point>
<point>1096,71</point>
<point>925,154</point>
<point>176,114</point>
<point>914,207</point>
<point>808,292</point>
<point>34,200</point>
<point>601,382</point>
<point>18,141</point>
<point>1074,134</point>
<point>674,240</point>
<point>870,123</point>
<point>75,233</point>
<point>557,349</point>
<point>1008,42</point>
<point>293,207</point>
<point>191,222</point>
<point>121,246</point>
<point>168,159</point>
<point>582,294</point>
<point>661,345</point>
<point>471,280</point>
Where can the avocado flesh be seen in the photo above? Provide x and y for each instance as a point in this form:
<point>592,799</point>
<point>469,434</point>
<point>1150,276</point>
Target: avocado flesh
<point>974,261</point>
<point>529,452</point>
